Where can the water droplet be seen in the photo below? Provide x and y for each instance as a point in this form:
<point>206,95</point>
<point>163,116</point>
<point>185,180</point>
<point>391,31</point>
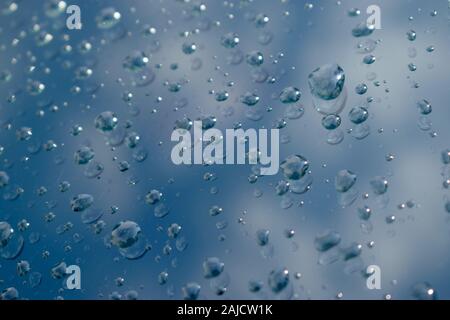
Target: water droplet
<point>221,95</point>
<point>10,293</point>
<point>331,121</point>
<point>215,210</point>
<point>255,58</point>
<point>250,99</point>
<point>230,40</point>
<point>125,234</point>
<point>294,167</point>
<point>294,111</point>
<point>364,213</point>
<point>83,155</point>
<point>161,210</point>
<point>188,48</point>
<point>360,131</point>
<point>261,20</point>
<point>445,157</point>
<point>353,12</point>
<point>430,48</point>
<point>106,121</point>
<point>191,291</point>
<point>81,202</point>
<point>335,137</point>
<point>23,268</point>
<point>361,88</point>
<point>262,237</point>
<point>344,180</point>
<point>6,232</point>
<point>290,95</point>
<point>424,107</point>
<point>358,115</point>
<point>411,35</point>
<point>136,61</point>
<point>327,82</point>
<point>424,291</point>
<point>379,185</point>
<point>369,59</point>
<point>278,279</point>
<point>326,240</point>
<point>212,267</point>
<point>107,18</point>
<point>24,133</point>
<point>352,251</point>
<point>363,29</point>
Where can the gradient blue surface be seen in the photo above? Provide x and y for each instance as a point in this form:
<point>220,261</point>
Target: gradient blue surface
<point>413,249</point>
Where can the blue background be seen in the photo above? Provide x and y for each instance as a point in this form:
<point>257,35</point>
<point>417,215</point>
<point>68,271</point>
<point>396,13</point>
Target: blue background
<point>413,249</point>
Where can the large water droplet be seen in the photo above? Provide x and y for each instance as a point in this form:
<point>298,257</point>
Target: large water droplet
<point>327,81</point>
<point>294,167</point>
